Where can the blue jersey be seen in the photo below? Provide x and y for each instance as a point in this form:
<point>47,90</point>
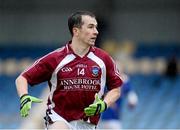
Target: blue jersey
<point>114,111</point>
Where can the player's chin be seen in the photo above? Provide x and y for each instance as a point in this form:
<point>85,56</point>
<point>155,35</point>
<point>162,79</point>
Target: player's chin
<point>92,43</point>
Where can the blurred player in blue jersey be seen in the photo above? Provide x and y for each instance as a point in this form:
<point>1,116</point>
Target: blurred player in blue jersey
<point>111,118</point>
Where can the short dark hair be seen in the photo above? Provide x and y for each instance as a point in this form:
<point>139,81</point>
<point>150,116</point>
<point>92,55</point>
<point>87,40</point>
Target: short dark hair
<point>75,20</point>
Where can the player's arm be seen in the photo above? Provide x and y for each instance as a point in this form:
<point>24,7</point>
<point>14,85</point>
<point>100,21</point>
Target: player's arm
<point>25,99</point>
<point>112,96</point>
<point>21,86</point>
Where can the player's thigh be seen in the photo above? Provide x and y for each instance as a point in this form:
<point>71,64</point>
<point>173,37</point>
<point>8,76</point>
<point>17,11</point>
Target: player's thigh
<point>58,125</point>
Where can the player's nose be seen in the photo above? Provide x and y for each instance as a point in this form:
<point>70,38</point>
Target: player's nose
<point>96,31</point>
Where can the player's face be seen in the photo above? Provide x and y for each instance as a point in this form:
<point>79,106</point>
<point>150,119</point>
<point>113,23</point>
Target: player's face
<point>88,31</point>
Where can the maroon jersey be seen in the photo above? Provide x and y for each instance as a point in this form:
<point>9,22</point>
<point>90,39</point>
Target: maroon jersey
<point>74,80</point>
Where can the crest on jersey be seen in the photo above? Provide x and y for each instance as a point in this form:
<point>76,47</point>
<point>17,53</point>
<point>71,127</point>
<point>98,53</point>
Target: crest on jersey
<point>95,71</point>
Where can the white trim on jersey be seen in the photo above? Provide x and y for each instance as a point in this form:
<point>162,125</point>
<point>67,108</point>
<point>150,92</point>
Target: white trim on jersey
<point>100,62</point>
<point>53,80</point>
<point>116,69</point>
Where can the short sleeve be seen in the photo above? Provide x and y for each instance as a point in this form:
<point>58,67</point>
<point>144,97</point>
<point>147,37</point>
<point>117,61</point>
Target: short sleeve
<point>40,71</point>
<point>113,76</point>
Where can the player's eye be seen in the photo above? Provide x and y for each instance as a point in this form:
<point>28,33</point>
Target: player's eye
<point>92,26</point>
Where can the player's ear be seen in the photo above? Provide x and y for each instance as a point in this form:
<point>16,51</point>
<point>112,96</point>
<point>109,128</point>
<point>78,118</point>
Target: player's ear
<point>75,31</point>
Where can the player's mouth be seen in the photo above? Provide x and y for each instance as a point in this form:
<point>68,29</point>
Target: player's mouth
<point>93,39</point>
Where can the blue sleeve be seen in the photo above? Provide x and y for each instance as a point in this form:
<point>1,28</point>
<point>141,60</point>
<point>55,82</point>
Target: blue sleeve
<point>126,88</point>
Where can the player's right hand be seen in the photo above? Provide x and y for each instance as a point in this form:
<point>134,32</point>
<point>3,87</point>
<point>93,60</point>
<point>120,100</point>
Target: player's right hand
<point>26,101</point>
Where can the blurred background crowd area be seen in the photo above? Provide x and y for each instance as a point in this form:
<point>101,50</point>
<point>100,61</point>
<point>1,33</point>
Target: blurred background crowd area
<point>143,36</point>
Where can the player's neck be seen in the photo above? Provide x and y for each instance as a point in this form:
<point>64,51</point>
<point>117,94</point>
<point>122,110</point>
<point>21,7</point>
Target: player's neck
<point>79,48</point>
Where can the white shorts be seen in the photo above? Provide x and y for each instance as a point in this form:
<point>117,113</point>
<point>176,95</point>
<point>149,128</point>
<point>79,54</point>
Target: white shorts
<point>110,124</point>
<point>73,125</point>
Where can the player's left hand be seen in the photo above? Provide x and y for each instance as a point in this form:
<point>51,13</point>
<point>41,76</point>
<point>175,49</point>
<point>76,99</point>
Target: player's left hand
<point>96,108</point>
